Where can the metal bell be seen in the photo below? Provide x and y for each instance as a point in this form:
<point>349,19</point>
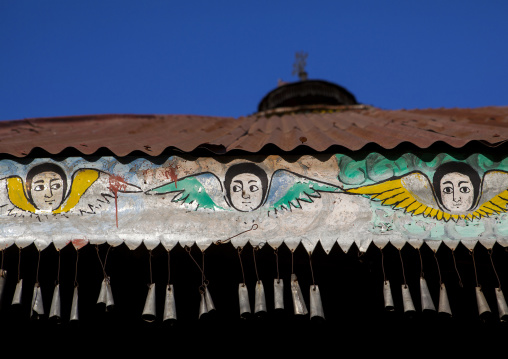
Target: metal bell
<point>3,276</point>
<point>202,305</point>
<point>169,304</point>
<point>483,306</point>
<point>387,294</point>
<point>243,296</point>
<point>316,306</point>
<point>37,308</point>
<point>55,309</point>
<point>298,302</point>
<point>110,302</point>
<point>208,300</point>
<point>102,293</point>
<point>74,308</point>
<point>444,304</point>
<point>259,298</point>
<point>278,293</point>
<point>502,308</point>
<point>407,301</point>
<point>426,299</point>
<point>149,309</point>
<point>17,293</point>
<point>106,295</point>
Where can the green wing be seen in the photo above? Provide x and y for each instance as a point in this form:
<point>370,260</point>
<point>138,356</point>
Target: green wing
<point>203,189</point>
<point>289,190</point>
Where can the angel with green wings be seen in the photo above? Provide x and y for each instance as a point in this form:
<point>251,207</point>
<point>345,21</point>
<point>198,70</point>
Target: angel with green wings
<point>456,192</point>
<point>246,187</point>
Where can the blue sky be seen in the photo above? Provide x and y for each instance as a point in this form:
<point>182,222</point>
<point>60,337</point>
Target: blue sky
<point>219,58</point>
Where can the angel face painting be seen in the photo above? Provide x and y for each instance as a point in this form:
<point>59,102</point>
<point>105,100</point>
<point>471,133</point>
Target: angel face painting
<point>46,186</point>
<point>457,186</point>
<point>456,192</point>
<point>46,191</point>
<point>246,186</point>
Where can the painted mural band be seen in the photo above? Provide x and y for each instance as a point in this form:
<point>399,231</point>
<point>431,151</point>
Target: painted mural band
<point>324,199</point>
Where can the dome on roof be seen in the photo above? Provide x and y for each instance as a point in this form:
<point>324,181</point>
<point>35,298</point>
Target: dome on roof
<point>307,92</point>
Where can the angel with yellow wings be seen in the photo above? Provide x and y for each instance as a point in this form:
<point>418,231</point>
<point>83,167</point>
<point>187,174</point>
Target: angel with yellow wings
<point>45,190</point>
<point>456,192</point>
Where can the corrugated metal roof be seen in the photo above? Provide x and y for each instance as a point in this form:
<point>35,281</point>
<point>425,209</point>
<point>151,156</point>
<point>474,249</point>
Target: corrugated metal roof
<point>319,128</point>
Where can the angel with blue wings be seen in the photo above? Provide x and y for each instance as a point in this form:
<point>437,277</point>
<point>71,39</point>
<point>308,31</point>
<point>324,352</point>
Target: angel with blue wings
<point>246,187</point>
<point>46,191</point>
<point>455,192</point>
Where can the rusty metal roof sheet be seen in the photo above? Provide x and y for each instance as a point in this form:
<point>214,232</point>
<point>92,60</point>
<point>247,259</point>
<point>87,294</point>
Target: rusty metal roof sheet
<point>352,127</point>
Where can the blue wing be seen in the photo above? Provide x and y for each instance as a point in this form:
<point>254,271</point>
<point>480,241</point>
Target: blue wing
<point>289,190</point>
<point>203,189</point>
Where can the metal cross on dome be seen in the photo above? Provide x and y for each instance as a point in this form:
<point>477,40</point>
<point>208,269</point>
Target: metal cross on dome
<point>299,65</point>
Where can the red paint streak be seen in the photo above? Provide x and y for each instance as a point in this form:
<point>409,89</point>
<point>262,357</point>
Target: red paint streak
<point>116,184</point>
<point>79,243</point>
<point>170,173</point>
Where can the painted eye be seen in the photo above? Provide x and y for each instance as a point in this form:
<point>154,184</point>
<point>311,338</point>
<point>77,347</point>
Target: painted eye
<point>465,189</point>
<point>56,186</point>
<point>448,190</point>
<point>237,188</point>
<point>253,188</point>
<point>39,187</point>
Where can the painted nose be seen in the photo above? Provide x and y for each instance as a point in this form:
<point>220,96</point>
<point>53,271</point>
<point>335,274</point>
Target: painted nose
<point>48,193</point>
<point>245,195</point>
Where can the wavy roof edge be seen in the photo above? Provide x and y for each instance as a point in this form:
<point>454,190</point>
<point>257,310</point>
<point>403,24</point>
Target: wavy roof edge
<point>316,128</point>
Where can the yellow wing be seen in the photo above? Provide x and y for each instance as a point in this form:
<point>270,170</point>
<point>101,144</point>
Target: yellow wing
<point>494,195</point>
<point>17,196</point>
<point>413,193</point>
<point>82,180</point>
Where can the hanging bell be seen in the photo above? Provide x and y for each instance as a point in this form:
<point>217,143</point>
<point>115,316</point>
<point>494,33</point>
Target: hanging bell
<point>209,302</point>
<point>55,309</point>
<point>243,296</point>
<point>426,299</point>
<point>106,295</point>
<point>37,308</point>
<point>298,302</point>
<point>444,304</point>
<point>483,306</point>
<point>316,306</point>
<point>169,304</point>
<point>202,306</point>
<point>110,302</point>
<point>259,299</point>
<point>74,308</point>
<point>502,308</point>
<point>102,293</point>
<point>387,294</point>
<point>407,301</point>
<point>278,293</point>
<point>149,309</point>
<point>17,293</point>
<point>3,276</point>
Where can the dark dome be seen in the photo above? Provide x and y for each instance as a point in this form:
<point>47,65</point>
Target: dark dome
<point>307,92</point>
